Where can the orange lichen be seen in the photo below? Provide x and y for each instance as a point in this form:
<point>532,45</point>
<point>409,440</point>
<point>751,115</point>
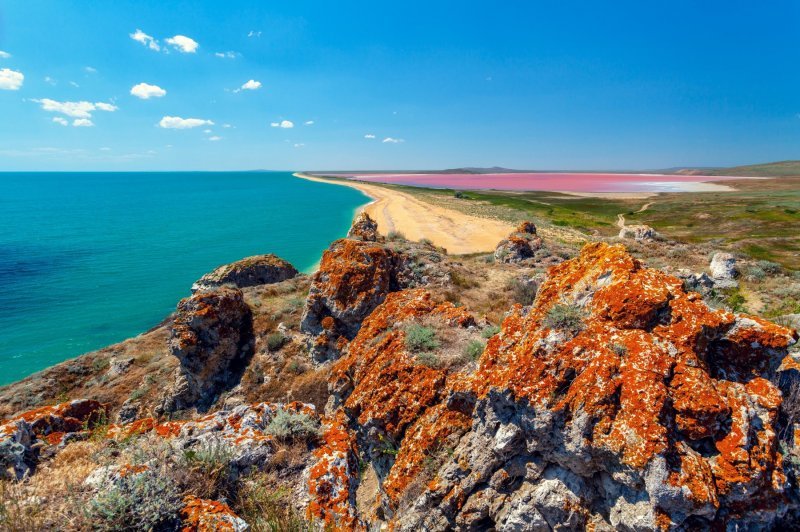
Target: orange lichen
<point>203,515</point>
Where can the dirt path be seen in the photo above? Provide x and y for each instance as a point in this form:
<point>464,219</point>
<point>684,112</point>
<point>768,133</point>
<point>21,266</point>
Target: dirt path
<point>621,216</point>
<point>457,232</point>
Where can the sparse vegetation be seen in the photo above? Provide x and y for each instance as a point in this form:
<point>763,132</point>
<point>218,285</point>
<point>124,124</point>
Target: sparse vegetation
<point>428,359</point>
<point>395,236</point>
<point>293,426</point>
<point>565,317</point>
<point>267,508</point>
<point>142,501</point>
<point>522,291</point>
<point>490,331</point>
<point>420,338</point>
<point>275,340</point>
<point>474,349</point>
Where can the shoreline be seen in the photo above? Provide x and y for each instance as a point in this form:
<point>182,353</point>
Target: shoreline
<point>396,211</point>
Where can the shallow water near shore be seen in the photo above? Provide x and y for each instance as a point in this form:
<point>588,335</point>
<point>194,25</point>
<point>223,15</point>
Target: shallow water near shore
<point>90,259</point>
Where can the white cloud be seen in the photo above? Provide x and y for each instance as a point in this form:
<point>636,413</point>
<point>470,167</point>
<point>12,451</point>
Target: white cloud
<point>207,131</point>
<point>176,122</point>
<point>10,80</point>
<point>75,109</point>
<point>74,84</point>
<point>299,145</point>
<point>226,55</point>
<point>60,120</point>
<point>390,140</point>
<point>146,91</point>
<point>251,85</point>
<point>369,136</point>
<point>227,126</point>
<point>184,44</point>
<point>145,39</point>
<point>214,138</point>
<point>308,123</point>
<point>82,122</point>
<point>254,33</point>
<point>90,70</point>
<point>4,55</point>
<point>285,124</point>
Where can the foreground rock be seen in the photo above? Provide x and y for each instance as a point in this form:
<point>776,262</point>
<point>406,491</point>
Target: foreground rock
<point>354,277</point>
<point>252,271</point>
<point>723,270</point>
<point>639,233</point>
<point>519,246</point>
<point>618,401</point>
<point>212,337</point>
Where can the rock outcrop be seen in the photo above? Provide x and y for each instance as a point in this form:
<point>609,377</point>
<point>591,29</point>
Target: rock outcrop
<point>638,232</point>
<point>47,429</point>
<point>618,401</point>
<point>212,337</point>
<point>723,270</point>
<point>251,271</point>
<point>203,515</point>
<point>364,228</point>
<point>519,246</point>
<point>354,277</point>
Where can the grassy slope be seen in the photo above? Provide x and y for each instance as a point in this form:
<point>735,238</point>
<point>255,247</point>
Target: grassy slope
<point>777,169</point>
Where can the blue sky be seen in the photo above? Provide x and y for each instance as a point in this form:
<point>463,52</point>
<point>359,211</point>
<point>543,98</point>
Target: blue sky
<point>523,84</point>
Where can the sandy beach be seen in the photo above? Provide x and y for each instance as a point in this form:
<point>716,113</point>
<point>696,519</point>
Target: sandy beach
<point>397,211</point>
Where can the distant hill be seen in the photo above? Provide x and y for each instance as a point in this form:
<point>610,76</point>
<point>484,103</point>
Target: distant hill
<point>777,169</point>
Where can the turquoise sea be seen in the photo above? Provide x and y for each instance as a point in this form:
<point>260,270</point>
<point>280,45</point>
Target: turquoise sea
<point>89,259</point>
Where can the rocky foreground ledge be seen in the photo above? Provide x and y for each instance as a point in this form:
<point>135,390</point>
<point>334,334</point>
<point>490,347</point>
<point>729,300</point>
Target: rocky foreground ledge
<point>613,399</point>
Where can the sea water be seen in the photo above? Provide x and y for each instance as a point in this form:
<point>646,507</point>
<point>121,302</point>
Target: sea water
<point>90,259</point>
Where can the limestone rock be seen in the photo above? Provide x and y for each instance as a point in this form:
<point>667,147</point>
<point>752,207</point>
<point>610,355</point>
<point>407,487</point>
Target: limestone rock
<point>656,413</point>
<point>251,271</point>
<point>354,277</point>
<point>519,246</point>
<point>212,337</point>
<point>638,232</point>
<point>364,228</point>
<point>723,270</point>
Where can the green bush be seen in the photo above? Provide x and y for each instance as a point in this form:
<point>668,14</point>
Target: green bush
<point>143,501</point>
<point>490,331</point>
<point>755,274</point>
<point>267,508</point>
<point>565,318</point>
<point>474,349</point>
<point>770,267</point>
<point>428,359</point>
<point>276,340</point>
<point>523,292</point>
<point>293,426</point>
<point>420,338</point>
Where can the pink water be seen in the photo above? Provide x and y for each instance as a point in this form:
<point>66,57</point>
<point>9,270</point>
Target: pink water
<point>564,182</point>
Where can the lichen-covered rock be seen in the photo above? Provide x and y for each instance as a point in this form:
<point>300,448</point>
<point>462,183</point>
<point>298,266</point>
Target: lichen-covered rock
<point>652,412</point>
<point>203,515</point>
<point>638,232</point>
<point>251,271</point>
<point>354,277</point>
<point>364,228</point>
<point>49,428</point>
<point>212,337</point>
<point>519,246</point>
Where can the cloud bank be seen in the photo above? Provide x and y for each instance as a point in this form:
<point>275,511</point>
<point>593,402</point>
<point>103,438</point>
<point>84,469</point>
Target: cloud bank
<point>10,80</point>
<point>176,122</point>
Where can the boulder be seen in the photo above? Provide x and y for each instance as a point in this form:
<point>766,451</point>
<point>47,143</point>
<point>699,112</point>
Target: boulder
<point>638,232</point>
<point>203,515</point>
<point>519,246</point>
<point>364,228</point>
<point>723,270</point>
<point>252,271</point>
<point>648,410</point>
<point>353,278</point>
<point>212,338</point>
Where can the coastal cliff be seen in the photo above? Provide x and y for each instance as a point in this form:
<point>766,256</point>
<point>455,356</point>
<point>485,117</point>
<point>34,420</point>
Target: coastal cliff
<point>537,387</point>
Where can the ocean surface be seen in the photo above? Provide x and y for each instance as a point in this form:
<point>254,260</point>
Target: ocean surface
<point>90,259</point>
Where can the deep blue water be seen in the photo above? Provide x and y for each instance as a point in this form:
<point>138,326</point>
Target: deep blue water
<point>89,259</point>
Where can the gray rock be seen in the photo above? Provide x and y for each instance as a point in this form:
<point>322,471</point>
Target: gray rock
<point>638,232</point>
<point>364,228</point>
<point>723,267</point>
<point>251,271</point>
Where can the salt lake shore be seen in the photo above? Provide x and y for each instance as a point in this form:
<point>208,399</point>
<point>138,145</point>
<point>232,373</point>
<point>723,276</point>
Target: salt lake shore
<point>397,211</point>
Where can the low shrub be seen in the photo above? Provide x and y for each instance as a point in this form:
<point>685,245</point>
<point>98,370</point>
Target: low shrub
<point>564,317</point>
<point>474,349</point>
<point>770,267</point>
<point>276,340</point>
<point>267,509</point>
<point>523,292</point>
<point>293,426</point>
<point>490,331</point>
<point>428,359</point>
<point>460,280</point>
<point>144,501</point>
<point>754,274</point>
<point>394,236</point>
<point>208,468</point>
<point>420,338</point>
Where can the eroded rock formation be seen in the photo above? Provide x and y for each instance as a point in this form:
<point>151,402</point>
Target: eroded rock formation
<point>212,337</point>
<point>520,245</point>
<point>364,228</point>
<point>251,271</point>
<point>638,232</point>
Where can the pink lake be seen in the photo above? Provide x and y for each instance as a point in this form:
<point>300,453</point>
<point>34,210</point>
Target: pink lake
<point>553,182</point>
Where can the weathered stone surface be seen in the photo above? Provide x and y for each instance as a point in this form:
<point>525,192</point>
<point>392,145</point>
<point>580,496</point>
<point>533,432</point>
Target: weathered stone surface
<point>638,232</point>
<point>364,228</point>
<point>203,515</point>
<point>212,337</point>
<point>519,246</point>
<point>23,437</point>
<point>657,412</point>
<point>723,267</point>
<point>251,271</point>
<point>354,277</point>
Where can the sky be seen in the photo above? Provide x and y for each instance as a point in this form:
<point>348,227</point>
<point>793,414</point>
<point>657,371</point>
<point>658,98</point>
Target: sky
<point>320,85</point>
